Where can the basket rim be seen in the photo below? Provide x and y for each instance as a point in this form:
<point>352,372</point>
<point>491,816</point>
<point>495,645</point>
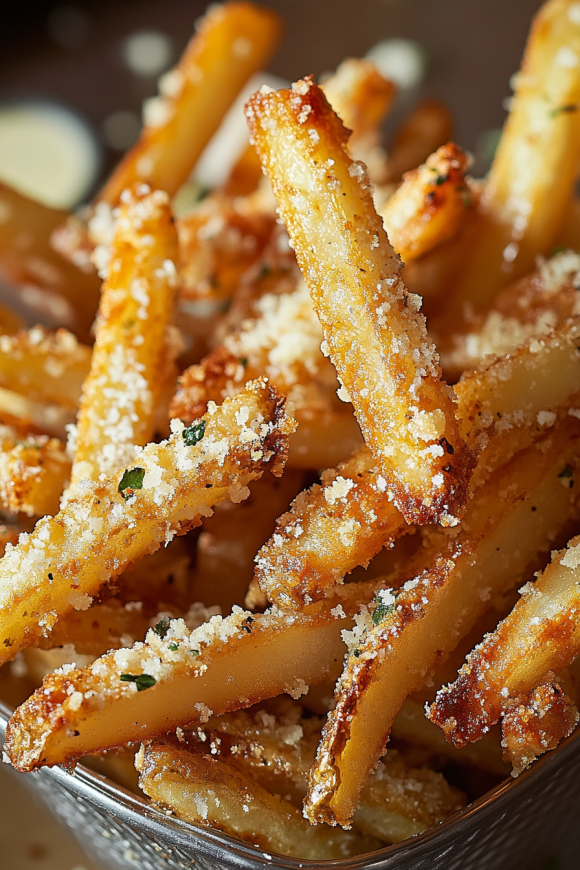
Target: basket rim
<point>214,845</point>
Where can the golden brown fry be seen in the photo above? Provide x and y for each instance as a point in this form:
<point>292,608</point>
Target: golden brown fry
<point>130,356</point>
<point>538,637</point>
<point>209,791</point>
<point>533,306</point>
<point>218,242</point>
<point>233,41</point>
<point>411,725</point>
<point>431,204</point>
<point>407,635</point>
<point>506,402</point>
<point>28,416</point>
<point>47,283</point>
<point>429,126</point>
<point>113,625</point>
<point>281,341</point>
<point>108,525</point>
<point>330,529</point>
<point>224,560</point>
<point>373,332</point>
<point>226,664</point>
<point>159,579</point>
<point>33,473</point>
<point>276,746</point>
<point>535,724</point>
<point>45,366</point>
<point>360,96</point>
<point>333,528</point>
<point>534,172</point>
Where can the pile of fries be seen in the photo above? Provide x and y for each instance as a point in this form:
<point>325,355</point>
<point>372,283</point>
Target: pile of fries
<point>259,474</point>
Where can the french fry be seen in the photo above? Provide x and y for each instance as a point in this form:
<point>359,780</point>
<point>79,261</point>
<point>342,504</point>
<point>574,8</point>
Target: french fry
<point>108,525</point>
<point>535,724</point>
<point>429,126</point>
<point>233,41</point>
<point>411,725</point>
<point>207,791</point>
<point>281,342</point>
<point>371,324</point>
<point>534,172</point>
<point>122,389</point>
<point>360,96</point>
<point>28,416</point>
<point>334,527</point>
<point>533,306</point>
<point>45,366</point>
<point>409,633</point>
<point>431,204</point>
<point>538,637</point>
<point>33,473</point>
<point>113,625</point>
<point>218,242</point>
<point>277,750</point>
<point>46,282</point>
<point>160,579</point>
<point>226,664</point>
<point>224,558</point>
<point>330,529</point>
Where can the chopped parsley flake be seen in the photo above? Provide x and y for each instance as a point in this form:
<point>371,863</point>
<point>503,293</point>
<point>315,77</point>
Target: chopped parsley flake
<point>142,681</point>
<point>557,250</point>
<point>193,434</point>
<point>566,472</point>
<point>244,361</point>
<point>173,646</point>
<point>381,611</point>
<point>162,626</point>
<point>132,479</point>
<point>356,653</point>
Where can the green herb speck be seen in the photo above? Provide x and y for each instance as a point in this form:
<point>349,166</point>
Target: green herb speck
<point>142,681</point>
<point>132,479</point>
<point>566,472</point>
<point>193,434</point>
<point>173,646</point>
<point>162,626</point>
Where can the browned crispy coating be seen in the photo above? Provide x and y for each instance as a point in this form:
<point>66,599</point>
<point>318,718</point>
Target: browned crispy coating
<point>373,331</point>
<point>431,204</point>
<point>536,723</point>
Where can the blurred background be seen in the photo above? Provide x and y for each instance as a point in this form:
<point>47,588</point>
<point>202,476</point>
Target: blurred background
<point>73,76</point>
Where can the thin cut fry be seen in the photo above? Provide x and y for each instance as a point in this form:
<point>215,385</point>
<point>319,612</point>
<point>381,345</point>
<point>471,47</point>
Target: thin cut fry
<point>129,359</point>
<point>224,665</point>
<point>535,724</point>
<point>110,524</point>
<point>33,473</point>
<point>45,366</point>
<point>28,416</point>
<point>431,204</point>
<point>233,41</point>
<point>360,96</point>
<point>541,635</point>
<point>113,625</point>
<point>373,332</point>
<point>276,747</point>
<point>209,791</point>
<point>334,527</point>
<point>429,126</point>
<point>407,635</point>
<point>281,341</point>
<point>46,282</point>
<point>533,176</point>
<point>533,306</point>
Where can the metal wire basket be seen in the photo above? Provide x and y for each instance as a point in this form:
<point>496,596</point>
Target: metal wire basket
<point>506,829</point>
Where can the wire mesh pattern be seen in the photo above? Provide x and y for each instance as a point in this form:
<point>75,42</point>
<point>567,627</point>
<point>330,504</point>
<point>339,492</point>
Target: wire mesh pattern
<point>505,830</point>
